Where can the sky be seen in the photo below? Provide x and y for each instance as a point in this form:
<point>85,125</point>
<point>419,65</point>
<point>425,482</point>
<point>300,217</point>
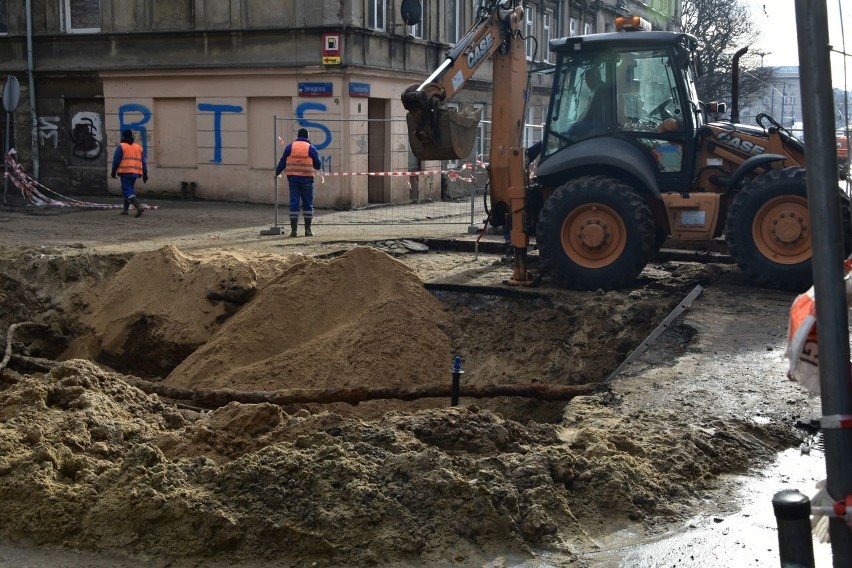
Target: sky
<point>776,22</point>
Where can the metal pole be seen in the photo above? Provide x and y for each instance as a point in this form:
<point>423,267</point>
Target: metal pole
<point>6,151</point>
<point>275,160</point>
<point>793,516</point>
<point>275,229</point>
<point>828,255</point>
<point>31,89</point>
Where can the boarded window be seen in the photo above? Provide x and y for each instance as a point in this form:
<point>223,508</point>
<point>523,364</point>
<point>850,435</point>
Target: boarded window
<point>175,133</point>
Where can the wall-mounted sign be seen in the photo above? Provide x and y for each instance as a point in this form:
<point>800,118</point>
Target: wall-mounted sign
<point>359,89</point>
<point>331,49</point>
<point>316,90</point>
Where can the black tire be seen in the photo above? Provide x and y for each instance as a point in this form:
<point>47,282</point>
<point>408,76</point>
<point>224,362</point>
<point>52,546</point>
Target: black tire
<point>605,212</point>
<point>768,230</point>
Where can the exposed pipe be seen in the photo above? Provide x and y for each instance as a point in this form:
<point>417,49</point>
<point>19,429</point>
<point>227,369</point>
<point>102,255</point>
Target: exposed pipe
<point>31,89</point>
<point>735,86</point>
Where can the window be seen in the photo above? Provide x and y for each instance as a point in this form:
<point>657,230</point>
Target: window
<point>376,13</point>
<point>4,19</point>
<point>417,30</point>
<point>572,27</point>
<point>548,34</point>
<point>529,31</point>
<point>587,29</point>
<point>454,22</point>
<point>82,16</point>
<point>453,164</point>
<point>529,129</point>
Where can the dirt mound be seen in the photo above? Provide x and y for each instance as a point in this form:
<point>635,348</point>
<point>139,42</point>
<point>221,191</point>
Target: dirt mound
<point>361,320</point>
<point>91,462</point>
<point>162,305</point>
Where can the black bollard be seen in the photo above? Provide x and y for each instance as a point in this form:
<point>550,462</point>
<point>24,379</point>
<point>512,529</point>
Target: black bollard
<point>457,373</point>
<point>793,516</point>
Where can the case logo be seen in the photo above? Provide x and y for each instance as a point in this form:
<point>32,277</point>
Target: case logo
<point>479,51</point>
<point>736,143</point>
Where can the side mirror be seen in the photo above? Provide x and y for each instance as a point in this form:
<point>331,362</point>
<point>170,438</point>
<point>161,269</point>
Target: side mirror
<point>411,11</point>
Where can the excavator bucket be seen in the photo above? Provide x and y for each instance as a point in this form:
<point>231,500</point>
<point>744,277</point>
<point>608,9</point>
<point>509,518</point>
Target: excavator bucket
<point>443,134</point>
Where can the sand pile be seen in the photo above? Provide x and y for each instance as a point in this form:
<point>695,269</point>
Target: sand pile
<point>162,305</point>
<point>360,320</point>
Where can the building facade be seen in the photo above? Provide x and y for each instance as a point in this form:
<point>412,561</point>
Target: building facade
<point>214,88</point>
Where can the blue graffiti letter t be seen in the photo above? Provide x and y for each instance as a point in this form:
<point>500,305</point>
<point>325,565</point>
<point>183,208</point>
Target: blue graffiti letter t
<point>217,111</point>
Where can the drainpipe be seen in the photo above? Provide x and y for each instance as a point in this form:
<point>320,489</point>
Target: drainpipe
<point>31,81</point>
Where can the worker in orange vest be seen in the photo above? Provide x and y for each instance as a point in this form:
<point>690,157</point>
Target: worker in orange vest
<point>300,160</point>
<point>129,163</point>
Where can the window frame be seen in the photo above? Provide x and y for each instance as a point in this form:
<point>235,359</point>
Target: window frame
<point>454,31</point>
<point>529,31</point>
<point>547,33</point>
<point>68,20</point>
<point>572,27</point>
<point>416,31</point>
<point>376,10</point>
<point>587,28</point>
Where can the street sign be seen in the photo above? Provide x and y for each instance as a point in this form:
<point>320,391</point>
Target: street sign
<point>11,94</point>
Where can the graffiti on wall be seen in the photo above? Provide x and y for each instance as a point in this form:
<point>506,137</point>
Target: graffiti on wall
<point>302,121</point>
<point>48,129</point>
<point>135,117</point>
<point>87,135</point>
<point>142,115</point>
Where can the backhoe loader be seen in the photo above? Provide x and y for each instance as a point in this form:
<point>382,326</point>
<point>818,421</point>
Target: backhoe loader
<point>628,157</point>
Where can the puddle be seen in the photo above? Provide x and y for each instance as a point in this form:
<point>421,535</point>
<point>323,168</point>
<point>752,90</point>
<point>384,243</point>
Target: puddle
<point>736,527</point>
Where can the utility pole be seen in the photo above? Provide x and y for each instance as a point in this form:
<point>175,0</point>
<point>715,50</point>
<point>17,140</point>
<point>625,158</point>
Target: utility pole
<point>824,206</point>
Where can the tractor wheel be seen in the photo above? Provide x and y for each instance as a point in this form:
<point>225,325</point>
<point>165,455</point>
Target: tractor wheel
<point>768,230</point>
<point>595,232</point>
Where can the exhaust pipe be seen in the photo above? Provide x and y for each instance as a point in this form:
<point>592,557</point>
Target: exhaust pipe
<point>735,85</point>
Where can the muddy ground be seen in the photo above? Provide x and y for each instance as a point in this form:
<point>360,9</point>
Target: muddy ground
<point>96,470</point>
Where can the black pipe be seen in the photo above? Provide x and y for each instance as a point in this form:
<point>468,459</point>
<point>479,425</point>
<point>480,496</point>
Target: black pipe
<point>457,373</point>
<point>793,513</point>
<point>735,86</point>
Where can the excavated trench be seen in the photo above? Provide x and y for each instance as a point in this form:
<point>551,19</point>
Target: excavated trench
<point>162,316</point>
<point>105,466</point>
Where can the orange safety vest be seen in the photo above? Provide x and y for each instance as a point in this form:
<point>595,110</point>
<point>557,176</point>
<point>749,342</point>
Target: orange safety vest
<point>299,162</point>
<point>131,159</point>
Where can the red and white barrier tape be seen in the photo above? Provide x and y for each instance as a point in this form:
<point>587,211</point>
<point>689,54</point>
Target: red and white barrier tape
<point>29,189</point>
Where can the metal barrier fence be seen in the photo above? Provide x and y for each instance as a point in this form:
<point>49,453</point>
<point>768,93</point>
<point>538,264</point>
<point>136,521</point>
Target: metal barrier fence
<point>370,158</point>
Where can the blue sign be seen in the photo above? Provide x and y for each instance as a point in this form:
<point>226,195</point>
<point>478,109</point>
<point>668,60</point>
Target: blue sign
<point>316,90</point>
<point>359,89</point>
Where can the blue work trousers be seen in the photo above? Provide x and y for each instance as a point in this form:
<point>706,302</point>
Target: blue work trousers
<point>301,191</point>
<point>128,182</point>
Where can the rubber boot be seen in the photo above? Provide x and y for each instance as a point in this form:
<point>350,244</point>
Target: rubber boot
<point>138,206</point>
<point>308,232</point>
<point>294,224</point>
<point>126,207</point>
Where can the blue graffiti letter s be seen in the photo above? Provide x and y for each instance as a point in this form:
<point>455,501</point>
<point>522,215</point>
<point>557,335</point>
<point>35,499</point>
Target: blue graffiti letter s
<point>139,125</point>
<point>300,115</point>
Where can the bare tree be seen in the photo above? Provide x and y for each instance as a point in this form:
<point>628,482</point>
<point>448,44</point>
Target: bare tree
<point>723,27</point>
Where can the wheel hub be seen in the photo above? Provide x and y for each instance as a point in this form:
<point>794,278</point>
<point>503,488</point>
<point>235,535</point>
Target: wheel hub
<point>594,234</point>
<point>781,230</point>
<point>789,228</point>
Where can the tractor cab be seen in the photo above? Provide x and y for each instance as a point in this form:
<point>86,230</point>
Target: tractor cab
<point>627,95</point>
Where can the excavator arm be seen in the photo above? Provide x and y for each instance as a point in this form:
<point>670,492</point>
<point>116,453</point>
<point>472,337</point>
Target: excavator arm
<point>438,133</point>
